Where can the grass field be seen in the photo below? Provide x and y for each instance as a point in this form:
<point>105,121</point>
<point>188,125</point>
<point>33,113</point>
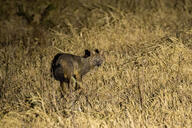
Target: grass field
<point>145,80</point>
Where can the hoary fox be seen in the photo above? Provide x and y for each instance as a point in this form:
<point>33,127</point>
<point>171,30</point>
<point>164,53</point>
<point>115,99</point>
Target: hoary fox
<point>69,68</point>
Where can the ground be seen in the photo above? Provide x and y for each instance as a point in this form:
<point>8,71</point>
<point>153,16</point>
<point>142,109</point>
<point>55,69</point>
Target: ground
<point>145,80</point>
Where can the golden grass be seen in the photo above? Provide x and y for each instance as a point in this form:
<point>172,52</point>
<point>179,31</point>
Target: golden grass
<point>145,81</point>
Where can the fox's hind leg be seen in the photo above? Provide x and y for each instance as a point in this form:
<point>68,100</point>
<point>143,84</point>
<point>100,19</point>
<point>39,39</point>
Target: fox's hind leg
<point>63,88</point>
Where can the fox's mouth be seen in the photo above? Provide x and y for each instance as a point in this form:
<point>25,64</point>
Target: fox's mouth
<point>99,64</point>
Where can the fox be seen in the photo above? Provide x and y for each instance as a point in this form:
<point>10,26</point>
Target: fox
<point>68,68</point>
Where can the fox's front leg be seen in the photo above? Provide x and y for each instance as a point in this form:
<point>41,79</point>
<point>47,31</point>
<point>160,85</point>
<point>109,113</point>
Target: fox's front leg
<point>72,83</point>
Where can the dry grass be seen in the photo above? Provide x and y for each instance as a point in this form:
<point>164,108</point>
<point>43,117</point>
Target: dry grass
<point>145,81</point>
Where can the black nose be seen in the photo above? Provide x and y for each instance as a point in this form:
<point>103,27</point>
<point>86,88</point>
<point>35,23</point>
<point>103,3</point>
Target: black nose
<point>99,63</point>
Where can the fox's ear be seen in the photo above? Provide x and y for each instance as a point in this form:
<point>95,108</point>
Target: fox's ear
<point>87,53</point>
<point>96,51</point>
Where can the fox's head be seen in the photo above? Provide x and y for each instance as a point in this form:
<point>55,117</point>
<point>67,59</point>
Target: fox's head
<point>95,58</point>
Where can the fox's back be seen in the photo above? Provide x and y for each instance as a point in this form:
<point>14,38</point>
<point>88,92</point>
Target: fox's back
<point>65,65</point>
<point>68,59</point>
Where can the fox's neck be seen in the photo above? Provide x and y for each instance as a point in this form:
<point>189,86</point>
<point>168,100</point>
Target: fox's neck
<point>86,66</point>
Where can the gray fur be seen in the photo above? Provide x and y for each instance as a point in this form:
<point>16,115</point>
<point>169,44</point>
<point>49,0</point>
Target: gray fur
<point>65,66</point>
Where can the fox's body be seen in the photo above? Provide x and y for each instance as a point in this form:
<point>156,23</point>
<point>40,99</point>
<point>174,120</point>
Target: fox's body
<point>67,66</point>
